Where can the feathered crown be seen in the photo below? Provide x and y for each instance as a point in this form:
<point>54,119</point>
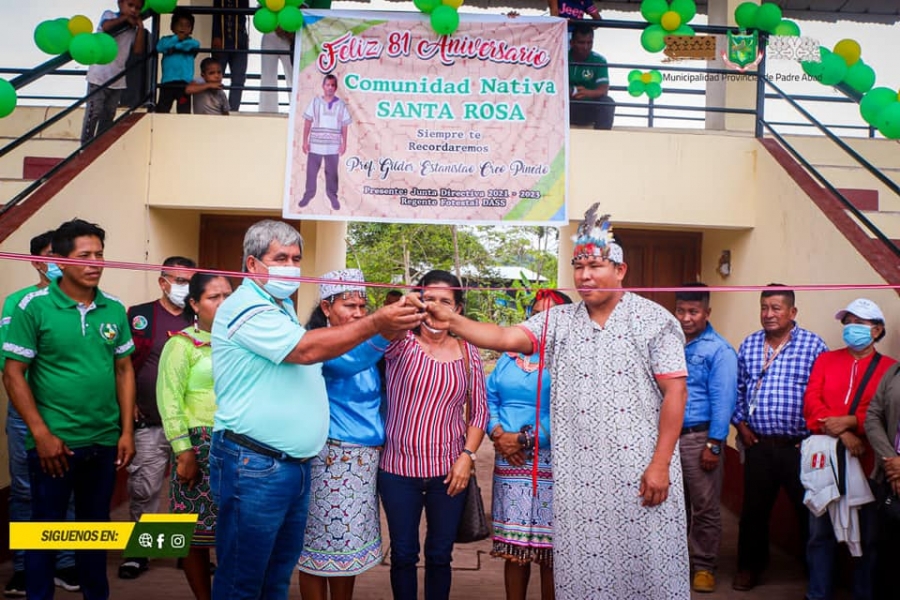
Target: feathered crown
<point>594,237</point>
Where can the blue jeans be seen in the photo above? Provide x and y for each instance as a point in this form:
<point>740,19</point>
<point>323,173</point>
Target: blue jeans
<point>821,548</point>
<point>403,499</point>
<point>20,488</point>
<point>263,503</point>
<point>91,478</point>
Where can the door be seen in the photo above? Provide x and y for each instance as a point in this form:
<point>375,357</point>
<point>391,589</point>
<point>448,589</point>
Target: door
<point>660,259</point>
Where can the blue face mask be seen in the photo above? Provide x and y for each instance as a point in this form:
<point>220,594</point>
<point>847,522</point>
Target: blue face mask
<point>857,336</point>
<point>281,288</point>
<point>53,271</point>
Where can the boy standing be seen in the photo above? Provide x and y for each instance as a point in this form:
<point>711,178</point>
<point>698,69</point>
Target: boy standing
<point>100,108</point>
<point>206,91</point>
<point>78,400</point>
<point>178,52</point>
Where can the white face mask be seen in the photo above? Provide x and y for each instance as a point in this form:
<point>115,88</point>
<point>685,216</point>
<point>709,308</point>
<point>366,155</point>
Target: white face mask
<point>178,293</point>
<point>281,288</point>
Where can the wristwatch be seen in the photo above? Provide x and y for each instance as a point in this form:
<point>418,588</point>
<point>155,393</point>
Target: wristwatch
<point>714,447</point>
<point>470,453</point>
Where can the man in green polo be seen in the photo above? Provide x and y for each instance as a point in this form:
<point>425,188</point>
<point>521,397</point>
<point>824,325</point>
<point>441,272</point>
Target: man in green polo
<point>78,400</point>
<point>589,79</point>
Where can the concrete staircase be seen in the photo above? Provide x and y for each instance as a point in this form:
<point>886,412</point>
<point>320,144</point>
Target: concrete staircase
<point>31,160</point>
<point>874,199</point>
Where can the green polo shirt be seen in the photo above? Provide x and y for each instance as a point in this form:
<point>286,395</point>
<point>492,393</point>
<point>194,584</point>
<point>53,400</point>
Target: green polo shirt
<point>71,350</point>
<point>591,74</point>
<point>9,305</point>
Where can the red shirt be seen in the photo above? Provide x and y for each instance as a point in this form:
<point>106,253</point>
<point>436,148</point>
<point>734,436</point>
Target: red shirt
<point>832,387</point>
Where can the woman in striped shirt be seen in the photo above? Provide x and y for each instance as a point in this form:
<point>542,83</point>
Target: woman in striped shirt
<point>429,449</point>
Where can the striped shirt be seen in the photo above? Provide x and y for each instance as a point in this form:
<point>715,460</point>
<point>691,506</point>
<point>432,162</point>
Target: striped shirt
<point>425,430</point>
<point>770,398</point>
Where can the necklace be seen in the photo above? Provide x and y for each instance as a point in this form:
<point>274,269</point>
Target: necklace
<point>525,363</point>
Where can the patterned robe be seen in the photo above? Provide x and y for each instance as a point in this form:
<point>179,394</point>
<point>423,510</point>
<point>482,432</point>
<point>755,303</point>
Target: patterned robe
<point>605,407</point>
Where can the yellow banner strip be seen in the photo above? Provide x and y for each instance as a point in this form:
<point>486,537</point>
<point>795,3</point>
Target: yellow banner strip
<point>69,536</point>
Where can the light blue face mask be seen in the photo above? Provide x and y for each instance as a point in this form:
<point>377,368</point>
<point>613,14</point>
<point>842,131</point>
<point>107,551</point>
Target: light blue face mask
<point>53,271</point>
<point>857,336</point>
<point>282,288</point>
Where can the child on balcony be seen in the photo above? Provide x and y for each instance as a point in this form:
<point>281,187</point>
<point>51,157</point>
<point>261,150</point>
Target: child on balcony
<point>100,108</point>
<point>178,52</point>
<point>206,92</point>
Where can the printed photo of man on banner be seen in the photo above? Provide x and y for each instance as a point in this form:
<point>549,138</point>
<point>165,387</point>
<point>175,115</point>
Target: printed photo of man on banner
<point>392,122</point>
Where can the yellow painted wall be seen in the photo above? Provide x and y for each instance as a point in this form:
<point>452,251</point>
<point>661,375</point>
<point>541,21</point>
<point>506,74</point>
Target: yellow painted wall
<point>793,243</point>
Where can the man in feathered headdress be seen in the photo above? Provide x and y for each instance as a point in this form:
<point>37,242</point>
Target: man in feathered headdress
<point>618,395</point>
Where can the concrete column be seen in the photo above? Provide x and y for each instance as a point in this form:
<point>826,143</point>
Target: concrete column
<point>324,249</point>
<point>564,272</point>
<point>720,92</point>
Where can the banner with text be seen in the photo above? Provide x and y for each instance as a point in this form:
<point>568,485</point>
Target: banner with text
<point>392,122</point>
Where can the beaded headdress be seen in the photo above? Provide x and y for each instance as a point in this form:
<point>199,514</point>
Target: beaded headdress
<point>342,281</point>
<point>594,237</point>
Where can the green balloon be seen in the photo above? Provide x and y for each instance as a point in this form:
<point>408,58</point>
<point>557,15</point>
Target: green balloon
<point>889,121</point>
<point>265,20</point>
<point>684,30</point>
<point>814,68</point>
<point>876,100</point>
<point>426,6</point>
<point>860,77</point>
<point>109,49</point>
<point>162,7</point>
<point>636,87</point>
<point>768,16</point>
<point>686,9</point>
<point>290,19</point>
<point>654,90</point>
<point>653,10</point>
<point>745,15</point>
<point>52,37</point>
<point>656,76</point>
<point>634,75</point>
<point>85,49</point>
<point>787,28</point>
<point>834,68</point>
<point>8,98</point>
<point>653,38</point>
<point>444,19</point>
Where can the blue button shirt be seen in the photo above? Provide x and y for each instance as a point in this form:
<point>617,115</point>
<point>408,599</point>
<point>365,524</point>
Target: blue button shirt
<point>711,382</point>
<point>512,398</point>
<point>280,404</point>
<point>355,393</point>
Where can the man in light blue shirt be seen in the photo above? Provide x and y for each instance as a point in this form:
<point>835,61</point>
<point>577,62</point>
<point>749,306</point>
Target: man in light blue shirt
<point>712,393</point>
<point>272,414</point>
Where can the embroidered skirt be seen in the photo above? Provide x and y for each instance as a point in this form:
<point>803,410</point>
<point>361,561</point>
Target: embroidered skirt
<point>343,530</point>
<point>197,500</point>
<point>522,522</point>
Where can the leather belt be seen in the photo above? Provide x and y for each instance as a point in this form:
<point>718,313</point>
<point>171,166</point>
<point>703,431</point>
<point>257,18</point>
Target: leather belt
<point>251,444</point>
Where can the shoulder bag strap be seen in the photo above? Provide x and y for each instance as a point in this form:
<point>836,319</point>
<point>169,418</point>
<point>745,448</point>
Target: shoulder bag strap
<point>864,382</point>
<point>465,353</point>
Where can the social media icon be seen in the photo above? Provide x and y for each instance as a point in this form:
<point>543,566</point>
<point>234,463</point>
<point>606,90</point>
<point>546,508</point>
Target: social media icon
<point>145,540</point>
<point>177,540</point>
<point>159,540</point>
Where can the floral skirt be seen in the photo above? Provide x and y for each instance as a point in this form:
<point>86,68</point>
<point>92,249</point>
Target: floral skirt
<point>343,530</point>
<point>523,522</point>
<point>197,500</point>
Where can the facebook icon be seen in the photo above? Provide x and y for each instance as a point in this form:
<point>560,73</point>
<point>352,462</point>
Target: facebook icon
<point>159,540</point>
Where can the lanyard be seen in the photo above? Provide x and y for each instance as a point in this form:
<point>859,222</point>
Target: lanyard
<point>767,362</point>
